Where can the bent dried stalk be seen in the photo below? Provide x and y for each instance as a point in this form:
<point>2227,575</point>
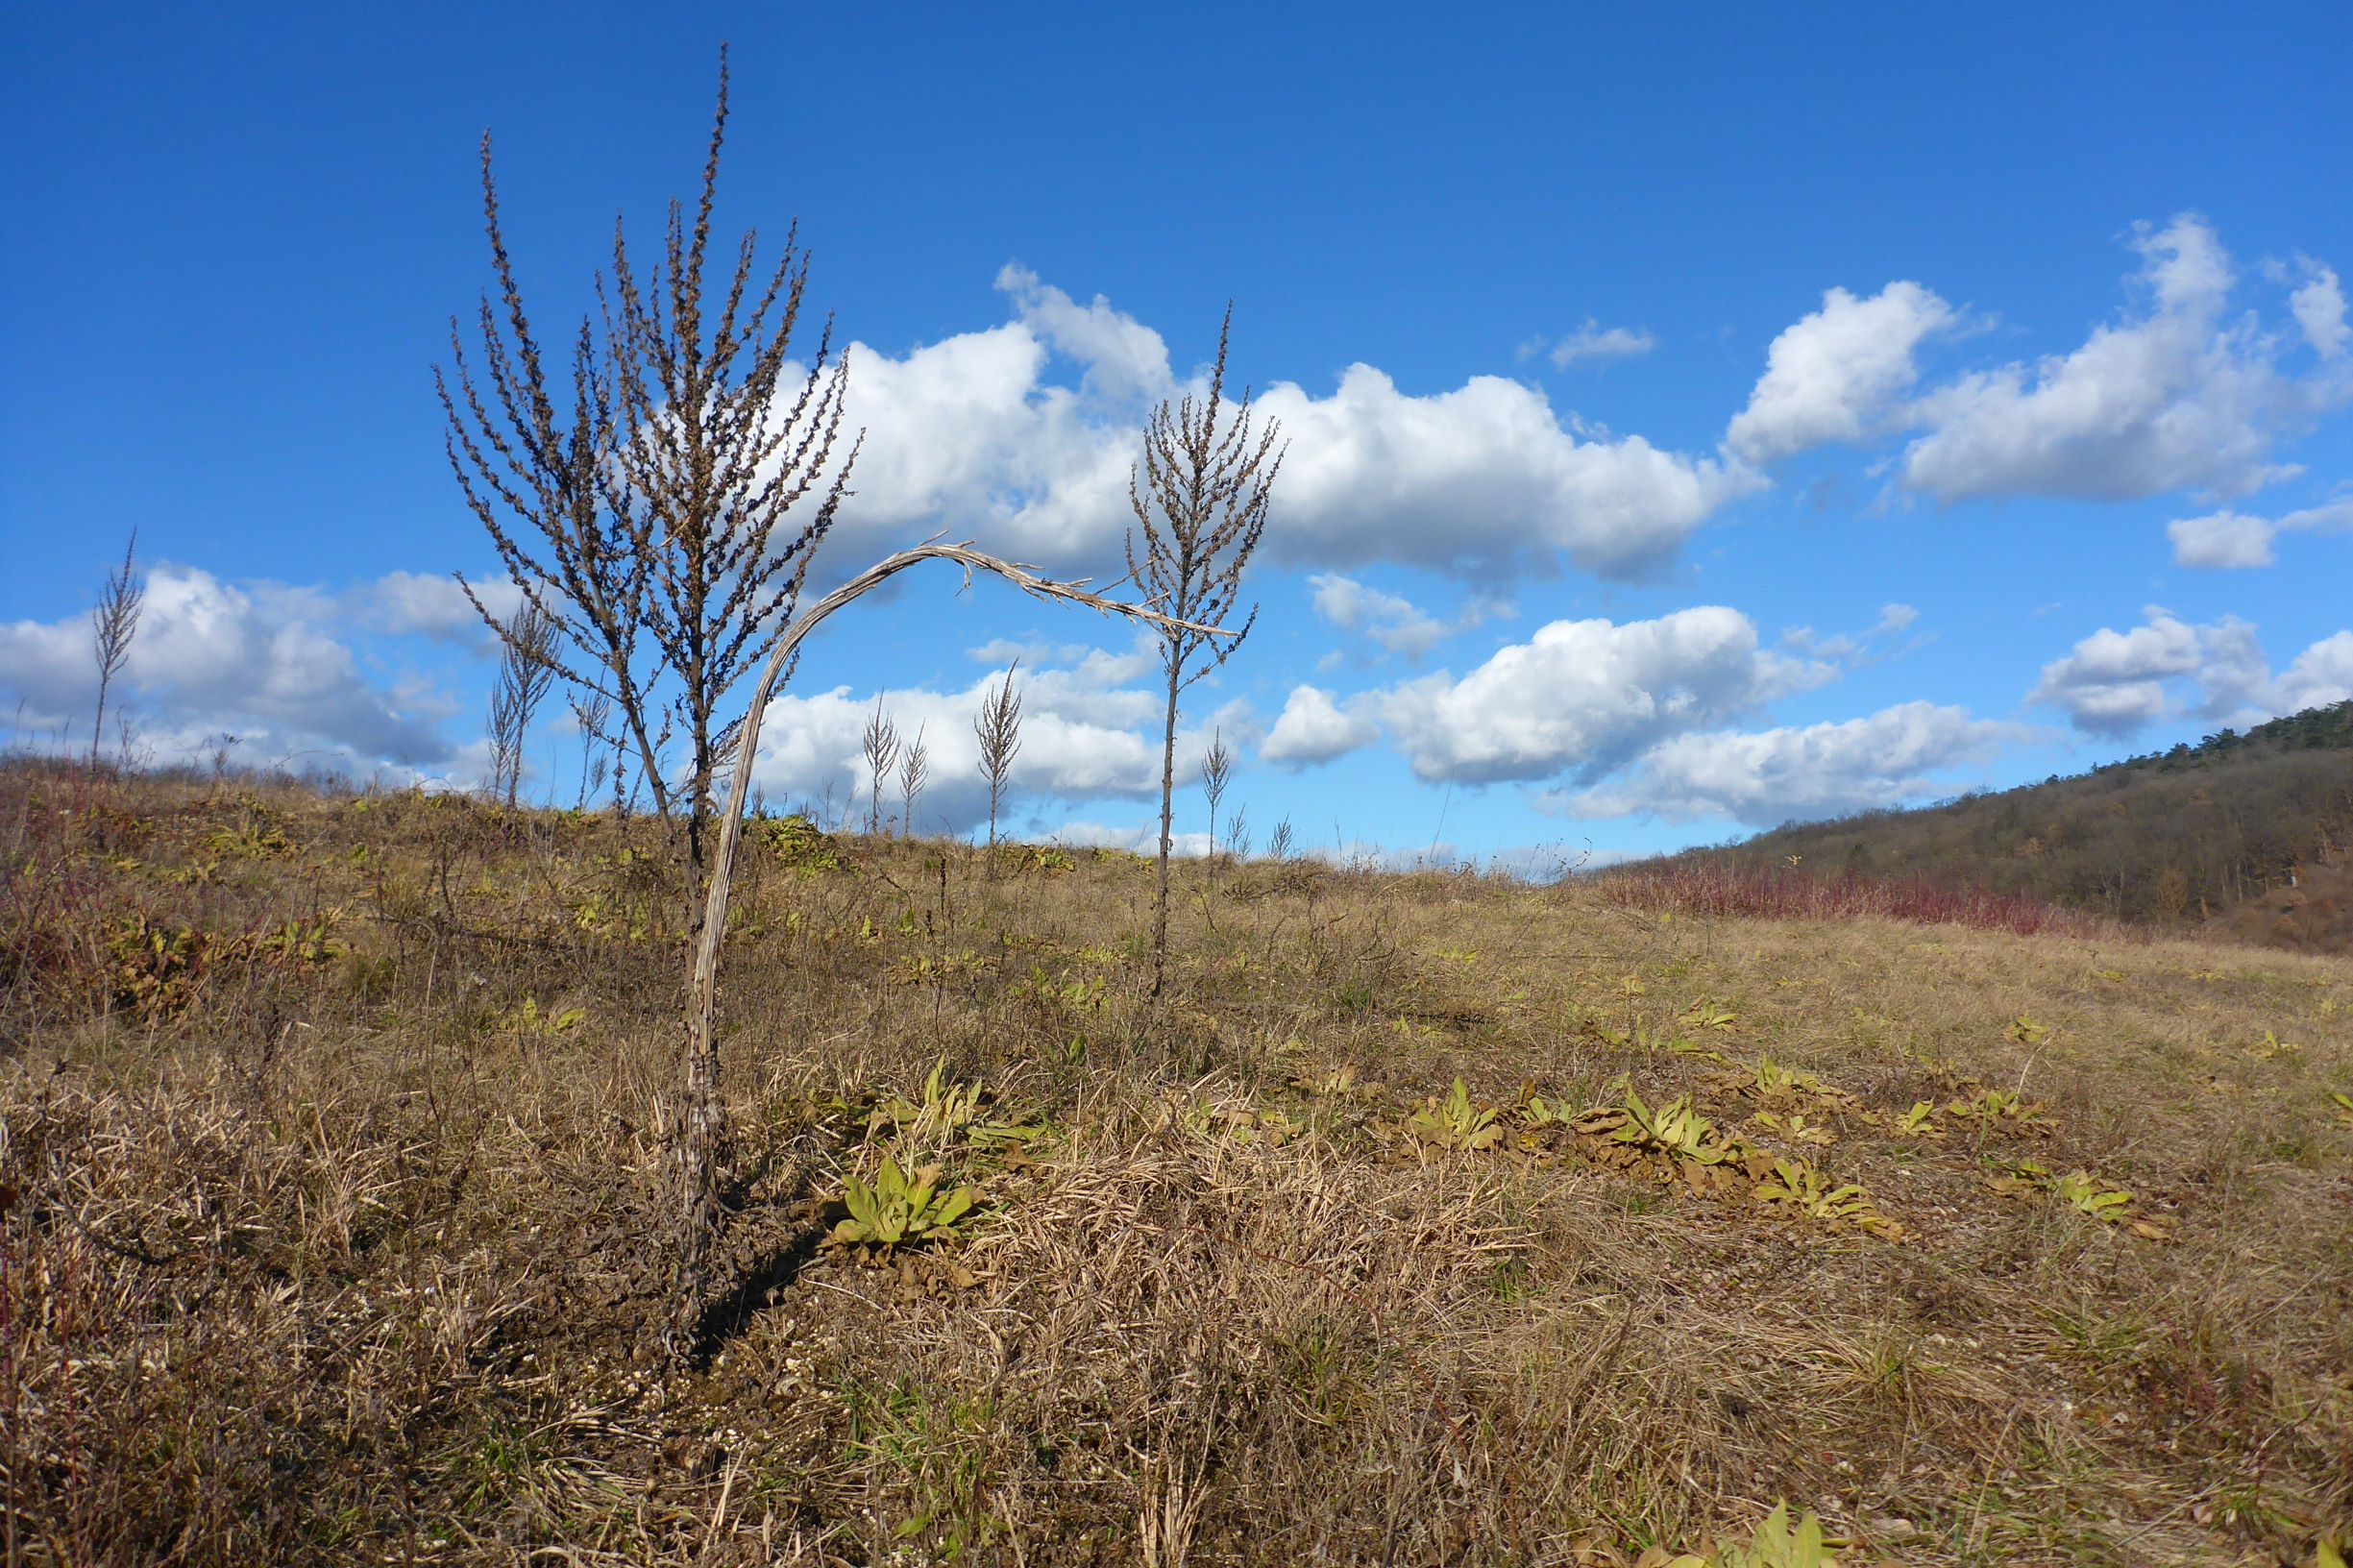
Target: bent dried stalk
<point>700,1132</point>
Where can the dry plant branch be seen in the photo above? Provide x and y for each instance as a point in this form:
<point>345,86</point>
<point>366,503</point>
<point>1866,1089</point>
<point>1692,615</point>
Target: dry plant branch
<point>701,1133</point>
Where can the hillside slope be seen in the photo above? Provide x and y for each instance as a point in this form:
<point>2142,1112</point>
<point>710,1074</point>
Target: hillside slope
<point>2180,837</point>
<point>1426,1220</point>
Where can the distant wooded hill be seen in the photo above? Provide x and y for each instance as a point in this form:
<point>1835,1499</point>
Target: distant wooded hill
<point>2184,835</point>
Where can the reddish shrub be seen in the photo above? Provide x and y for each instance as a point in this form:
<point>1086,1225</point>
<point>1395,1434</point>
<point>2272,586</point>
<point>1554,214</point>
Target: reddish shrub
<point>1694,887</point>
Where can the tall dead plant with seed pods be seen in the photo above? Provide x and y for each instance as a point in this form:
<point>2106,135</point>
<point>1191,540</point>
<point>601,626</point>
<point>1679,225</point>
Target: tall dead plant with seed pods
<point>114,621</point>
<point>664,524</point>
<point>998,726</point>
<point>590,711</point>
<point>665,521</point>
<point>526,641</point>
<point>913,770</point>
<point>1200,498</point>
<point>1216,774</point>
<point>880,743</point>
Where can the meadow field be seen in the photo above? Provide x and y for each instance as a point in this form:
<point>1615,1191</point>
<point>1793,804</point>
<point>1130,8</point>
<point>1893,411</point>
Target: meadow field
<point>1425,1219</point>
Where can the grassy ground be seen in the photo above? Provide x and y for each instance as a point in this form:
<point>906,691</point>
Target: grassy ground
<point>329,1129</point>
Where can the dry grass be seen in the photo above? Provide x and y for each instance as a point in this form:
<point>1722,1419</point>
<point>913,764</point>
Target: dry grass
<point>317,1245</point>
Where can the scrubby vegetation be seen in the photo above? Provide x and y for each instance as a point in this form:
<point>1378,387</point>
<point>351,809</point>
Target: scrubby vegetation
<point>1422,1219</point>
<point>1726,885</point>
<point>2176,837</point>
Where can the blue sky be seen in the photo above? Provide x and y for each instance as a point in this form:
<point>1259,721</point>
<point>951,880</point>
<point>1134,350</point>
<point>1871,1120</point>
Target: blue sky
<point>1698,419</point>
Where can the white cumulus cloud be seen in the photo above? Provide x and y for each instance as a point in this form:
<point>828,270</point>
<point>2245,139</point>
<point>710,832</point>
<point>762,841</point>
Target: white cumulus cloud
<point>2317,677</point>
<point>2222,540</point>
<point>2114,683</point>
<point>2228,540</point>
<point>1582,696</point>
<point>259,660</point>
<point>1122,356</point>
<point>2319,307</point>
<point>979,434</point>
<point>433,605</point>
<point>1314,728</point>
<point>1142,839</point>
<point>1838,374</point>
<point>967,434</point>
<point>1482,480</point>
<point>2180,394</point>
<point>1391,619</point>
<point>1770,776</point>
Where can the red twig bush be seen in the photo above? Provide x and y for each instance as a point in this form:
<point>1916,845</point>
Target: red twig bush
<point>1693,887</point>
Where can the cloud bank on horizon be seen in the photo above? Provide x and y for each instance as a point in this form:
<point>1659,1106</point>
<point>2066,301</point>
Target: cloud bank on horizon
<point>1022,435</point>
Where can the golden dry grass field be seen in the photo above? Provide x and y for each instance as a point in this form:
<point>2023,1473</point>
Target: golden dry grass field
<point>329,1126</point>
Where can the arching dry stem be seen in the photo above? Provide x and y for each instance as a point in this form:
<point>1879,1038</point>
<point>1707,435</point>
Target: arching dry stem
<point>701,1131</point>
